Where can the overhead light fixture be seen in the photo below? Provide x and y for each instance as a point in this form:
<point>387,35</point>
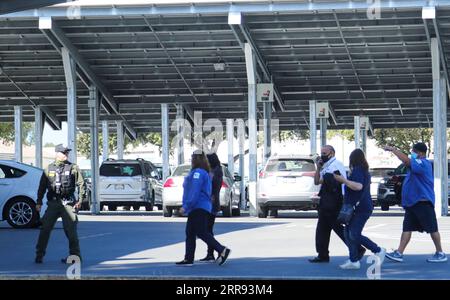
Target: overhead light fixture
<point>428,12</point>
<point>219,67</point>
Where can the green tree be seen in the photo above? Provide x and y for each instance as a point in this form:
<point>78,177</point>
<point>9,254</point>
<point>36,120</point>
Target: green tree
<point>403,138</point>
<point>296,135</point>
<point>348,134</point>
<point>7,133</point>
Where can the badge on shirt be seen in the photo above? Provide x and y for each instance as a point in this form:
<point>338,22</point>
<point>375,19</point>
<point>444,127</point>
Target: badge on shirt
<point>67,173</point>
<point>51,174</point>
<point>419,161</point>
<point>196,175</point>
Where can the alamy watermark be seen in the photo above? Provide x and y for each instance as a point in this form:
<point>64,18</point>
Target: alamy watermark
<point>374,269</point>
<point>74,270</point>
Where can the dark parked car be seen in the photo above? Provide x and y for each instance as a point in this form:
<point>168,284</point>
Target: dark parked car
<point>392,187</point>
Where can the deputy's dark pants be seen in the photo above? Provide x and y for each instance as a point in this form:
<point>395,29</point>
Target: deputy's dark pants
<point>197,226</point>
<point>54,211</point>
<point>211,222</point>
<point>326,223</point>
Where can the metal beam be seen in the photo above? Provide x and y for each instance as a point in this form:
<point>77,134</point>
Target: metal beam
<point>180,134</point>
<point>349,55</point>
<point>230,139</point>
<point>262,63</point>
<point>188,109</point>
<point>71,84</point>
<point>94,110</point>
<point>443,60</point>
<point>439,132</point>
<point>105,139</point>
<point>312,127</point>
<point>109,104</point>
<point>53,121</point>
<point>18,132</point>
<point>165,139</point>
<point>38,131</point>
<point>222,7</point>
<point>120,141</point>
<point>10,6</point>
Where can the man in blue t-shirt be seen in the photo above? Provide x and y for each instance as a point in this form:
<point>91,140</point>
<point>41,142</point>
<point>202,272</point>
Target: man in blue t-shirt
<point>418,201</point>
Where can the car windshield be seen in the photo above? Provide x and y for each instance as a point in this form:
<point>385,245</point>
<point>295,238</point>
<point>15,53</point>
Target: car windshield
<point>120,170</point>
<point>182,171</point>
<point>380,172</point>
<point>291,165</point>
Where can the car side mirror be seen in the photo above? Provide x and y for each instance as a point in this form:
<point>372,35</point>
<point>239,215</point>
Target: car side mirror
<point>237,178</point>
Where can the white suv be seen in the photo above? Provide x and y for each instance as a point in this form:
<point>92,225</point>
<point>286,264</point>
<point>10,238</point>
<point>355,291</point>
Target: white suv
<point>19,184</point>
<point>128,183</point>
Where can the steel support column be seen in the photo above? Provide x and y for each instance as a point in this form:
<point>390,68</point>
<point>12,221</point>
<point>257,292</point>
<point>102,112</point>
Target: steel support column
<point>250,61</point>
<point>38,131</point>
<point>241,141</point>
<point>105,139</point>
<point>71,84</point>
<point>18,115</point>
<point>312,127</point>
<point>180,134</point>
<point>439,132</point>
<point>267,124</point>
<point>230,138</point>
<point>357,132</point>
<point>165,139</point>
<point>120,141</point>
<point>323,132</point>
<point>93,105</point>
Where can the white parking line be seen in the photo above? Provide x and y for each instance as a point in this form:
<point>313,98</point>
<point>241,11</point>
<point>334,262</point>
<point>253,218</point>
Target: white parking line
<point>94,235</point>
<point>374,226</point>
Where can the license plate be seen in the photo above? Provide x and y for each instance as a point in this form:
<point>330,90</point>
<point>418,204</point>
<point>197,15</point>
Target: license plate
<point>119,187</point>
<point>289,180</point>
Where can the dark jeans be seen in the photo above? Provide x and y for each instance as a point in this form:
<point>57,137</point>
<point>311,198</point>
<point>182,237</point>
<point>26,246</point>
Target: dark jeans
<point>354,237</point>
<point>328,222</point>
<point>197,226</point>
<point>211,221</point>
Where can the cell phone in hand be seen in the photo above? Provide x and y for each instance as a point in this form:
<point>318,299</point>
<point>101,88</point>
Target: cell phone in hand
<point>337,172</point>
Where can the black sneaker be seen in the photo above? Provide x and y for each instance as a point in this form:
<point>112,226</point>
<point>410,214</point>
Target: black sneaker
<point>224,256</point>
<point>208,258</point>
<point>39,260</point>
<point>319,260</point>
<point>185,263</point>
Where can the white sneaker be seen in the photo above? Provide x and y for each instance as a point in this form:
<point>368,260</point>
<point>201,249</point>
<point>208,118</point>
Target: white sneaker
<point>381,255</point>
<point>348,265</point>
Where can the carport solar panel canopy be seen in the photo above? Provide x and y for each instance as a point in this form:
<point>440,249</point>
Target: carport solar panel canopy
<point>145,53</point>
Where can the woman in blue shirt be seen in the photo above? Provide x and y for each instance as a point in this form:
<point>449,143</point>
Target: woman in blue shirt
<point>197,205</point>
<point>357,193</point>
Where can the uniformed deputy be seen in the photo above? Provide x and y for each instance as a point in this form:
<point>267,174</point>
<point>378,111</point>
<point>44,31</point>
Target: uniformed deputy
<point>60,181</point>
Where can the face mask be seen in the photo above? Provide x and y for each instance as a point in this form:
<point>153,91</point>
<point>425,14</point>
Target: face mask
<point>325,158</point>
<point>413,155</point>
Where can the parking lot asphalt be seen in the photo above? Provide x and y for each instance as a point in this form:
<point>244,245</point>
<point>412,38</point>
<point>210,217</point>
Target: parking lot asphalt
<point>146,245</point>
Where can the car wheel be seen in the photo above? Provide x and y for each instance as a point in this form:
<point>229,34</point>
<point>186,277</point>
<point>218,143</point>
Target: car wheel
<point>21,213</point>
<point>262,212</point>
<point>236,212</point>
<point>167,211</point>
<point>85,206</point>
<point>149,207</point>
<point>136,207</point>
<point>102,207</point>
<point>384,207</point>
<point>126,207</point>
<point>227,211</point>
<point>112,207</point>
<point>159,206</point>
<point>273,213</point>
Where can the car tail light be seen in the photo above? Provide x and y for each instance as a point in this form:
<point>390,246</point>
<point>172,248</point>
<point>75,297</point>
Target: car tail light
<point>263,174</point>
<point>309,174</point>
<point>169,183</point>
<point>224,185</point>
